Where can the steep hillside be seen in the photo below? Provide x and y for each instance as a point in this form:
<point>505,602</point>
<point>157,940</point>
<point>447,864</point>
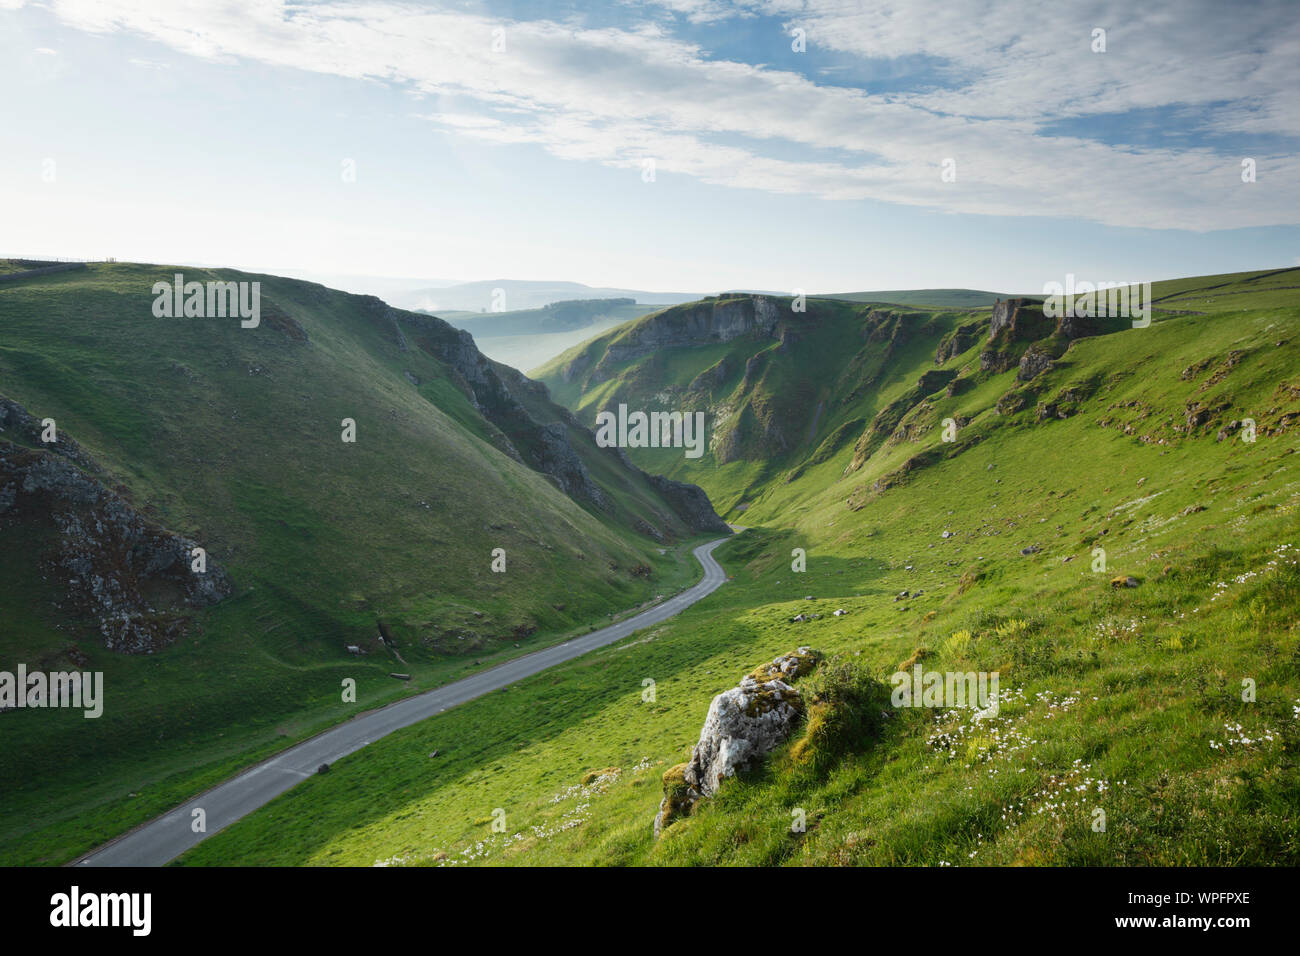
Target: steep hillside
<point>171,434</point>
<point>779,388</point>
<point>1112,528</point>
<point>785,391</point>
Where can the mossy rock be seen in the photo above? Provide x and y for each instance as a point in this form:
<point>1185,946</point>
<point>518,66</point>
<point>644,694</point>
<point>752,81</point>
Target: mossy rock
<point>769,695</point>
<point>801,751</point>
<point>679,798</point>
<point>675,785</point>
<point>788,667</point>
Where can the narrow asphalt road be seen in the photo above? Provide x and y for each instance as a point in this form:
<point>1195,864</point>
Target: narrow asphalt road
<point>170,835</point>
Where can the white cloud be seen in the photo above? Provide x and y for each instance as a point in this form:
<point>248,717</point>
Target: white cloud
<point>616,96</point>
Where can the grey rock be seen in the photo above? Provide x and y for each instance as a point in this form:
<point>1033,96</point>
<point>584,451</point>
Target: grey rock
<point>1032,364</point>
<point>710,321</point>
<point>742,726</point>
<point>690,502</point>
<point>114,561</point>
<point>1004,315</point>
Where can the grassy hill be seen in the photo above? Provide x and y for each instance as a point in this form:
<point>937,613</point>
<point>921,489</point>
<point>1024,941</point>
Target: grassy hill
<point>197,430</point>
<point>934,298</point>
<point>1169,702</point>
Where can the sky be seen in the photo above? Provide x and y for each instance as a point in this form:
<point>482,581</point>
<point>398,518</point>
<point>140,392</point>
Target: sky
<point>667,145</point>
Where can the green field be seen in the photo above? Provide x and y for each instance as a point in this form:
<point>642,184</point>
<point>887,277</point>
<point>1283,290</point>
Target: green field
<point>232,436</point>
<point>1172,706</point>
<point>930,298</point>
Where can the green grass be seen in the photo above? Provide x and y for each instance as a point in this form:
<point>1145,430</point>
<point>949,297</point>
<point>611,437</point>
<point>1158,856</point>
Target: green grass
<point>1114,695</point>
<point>1163,692</point>
<point>232,436</point>
<point>929,298</point>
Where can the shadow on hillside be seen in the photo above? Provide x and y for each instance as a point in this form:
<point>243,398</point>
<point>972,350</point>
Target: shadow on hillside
<point>472,739</point>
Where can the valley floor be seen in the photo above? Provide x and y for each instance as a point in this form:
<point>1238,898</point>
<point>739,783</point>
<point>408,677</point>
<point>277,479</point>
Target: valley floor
<point>165,838</point>
<point>1146,722</point>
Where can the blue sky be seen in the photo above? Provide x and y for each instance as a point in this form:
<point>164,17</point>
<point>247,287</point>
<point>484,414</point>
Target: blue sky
<point>217,132</point>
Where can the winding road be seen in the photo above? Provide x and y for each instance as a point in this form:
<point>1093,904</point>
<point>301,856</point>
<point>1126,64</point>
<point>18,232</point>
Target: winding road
<point>168,836</point>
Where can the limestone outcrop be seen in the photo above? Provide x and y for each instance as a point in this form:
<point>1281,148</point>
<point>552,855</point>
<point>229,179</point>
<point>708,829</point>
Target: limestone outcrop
<point>719,319</point>
<point>743,725</point>
<point>132,576</point>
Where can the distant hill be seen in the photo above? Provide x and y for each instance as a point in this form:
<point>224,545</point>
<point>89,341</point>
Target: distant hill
<point>527,338</point>
<point>937,298</point>
<point>566,316</point>
<point>518,294</point>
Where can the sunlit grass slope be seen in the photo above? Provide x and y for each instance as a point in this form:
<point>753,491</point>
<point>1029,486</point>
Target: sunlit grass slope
<point>233,436</point>
<point>1172,707</point>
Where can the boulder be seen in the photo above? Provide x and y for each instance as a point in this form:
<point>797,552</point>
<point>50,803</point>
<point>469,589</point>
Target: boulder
<point>788,666</point>
<point>1033,364</point>
<point>742,726</point>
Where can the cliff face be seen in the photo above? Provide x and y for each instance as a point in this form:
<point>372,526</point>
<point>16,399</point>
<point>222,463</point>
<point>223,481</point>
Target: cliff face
<point>543,448</point>
<point>543,440</point>
<point>690,502</point>
<point>699,323</point>
<point>133,577</point>
<point>1026,320</point>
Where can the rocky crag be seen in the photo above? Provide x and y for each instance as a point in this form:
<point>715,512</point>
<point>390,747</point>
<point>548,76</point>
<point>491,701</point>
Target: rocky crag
<point>516,406</point>
<point>713,319</point>
<point>131,576</point>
